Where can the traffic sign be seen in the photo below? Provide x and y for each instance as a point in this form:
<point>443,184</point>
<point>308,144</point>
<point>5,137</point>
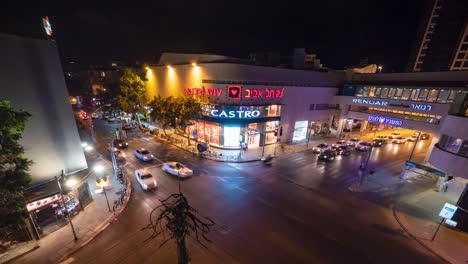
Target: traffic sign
<point>448,211</point>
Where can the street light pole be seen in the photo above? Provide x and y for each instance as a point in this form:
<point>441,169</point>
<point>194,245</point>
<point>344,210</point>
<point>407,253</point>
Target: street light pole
<point>415,143</point>
<point>363,173</point>
<point>65,205</point>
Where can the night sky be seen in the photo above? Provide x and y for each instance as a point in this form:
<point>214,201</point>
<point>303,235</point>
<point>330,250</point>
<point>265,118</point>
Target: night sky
<point>340,32</point>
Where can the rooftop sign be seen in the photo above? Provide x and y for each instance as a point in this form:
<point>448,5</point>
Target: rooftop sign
<point>236,92</point>
<point>421,107</point>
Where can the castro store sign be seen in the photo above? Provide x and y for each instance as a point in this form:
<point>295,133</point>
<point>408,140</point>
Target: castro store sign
<point>385,120</point>
<point>234,114</point>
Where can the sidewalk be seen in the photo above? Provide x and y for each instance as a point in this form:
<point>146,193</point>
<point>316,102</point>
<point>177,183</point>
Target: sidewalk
<point>236,155</point>
<point>89,223</point>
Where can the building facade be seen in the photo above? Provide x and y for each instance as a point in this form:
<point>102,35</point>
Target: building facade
<point>442,38</point>
<point>253,105</point>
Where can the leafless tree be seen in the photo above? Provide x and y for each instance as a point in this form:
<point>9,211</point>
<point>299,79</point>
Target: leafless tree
<point>177,220</point>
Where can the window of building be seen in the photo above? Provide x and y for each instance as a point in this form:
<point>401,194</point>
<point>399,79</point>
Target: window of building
<point>457,64</point>
<point>452,94</point>
<point>414,94</point>
<point>452,144</point>
<point>443,96</point>
<point>406,94</point>
<point>384,93</point>
<point>433,94</point>
<point>311,107</point>
<point>365,91</point>
<point>461,55</point>
<point>398,93</point>
<point>423,95</point>
<point>372,91</point>
<point>391,93</point>
<point>464,47</point>
<point>377,92</point>
<point>465,64</point>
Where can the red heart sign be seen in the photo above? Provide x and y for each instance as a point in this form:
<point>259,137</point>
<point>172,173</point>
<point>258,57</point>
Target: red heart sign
<point>233,91</point>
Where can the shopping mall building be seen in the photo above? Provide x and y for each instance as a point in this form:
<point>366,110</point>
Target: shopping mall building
<point>260,105</point>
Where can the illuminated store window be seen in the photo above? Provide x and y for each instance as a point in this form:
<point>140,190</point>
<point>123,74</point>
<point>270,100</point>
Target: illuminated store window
<point>372,91</point>
<point>414,94</point>
<point>391,93</point>
<point>406,94</point>
<point>455,145</point>
<point>443,96</point>
<point>300,130</point>
<point>423,95</point>
<point>365,91</point>
<point>231,136</point>
<point>377,92</point>
<point>433,94</point>
<point>398,93</point>
<point>384,93</point>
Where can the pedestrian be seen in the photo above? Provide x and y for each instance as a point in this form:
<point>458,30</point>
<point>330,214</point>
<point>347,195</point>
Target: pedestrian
<point>371,172</point>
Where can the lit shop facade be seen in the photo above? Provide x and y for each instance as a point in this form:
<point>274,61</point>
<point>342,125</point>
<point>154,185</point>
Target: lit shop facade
<point>251,105</point>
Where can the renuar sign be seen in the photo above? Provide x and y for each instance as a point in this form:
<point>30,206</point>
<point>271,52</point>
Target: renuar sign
<point>421,107</point>
<point>385,120</point>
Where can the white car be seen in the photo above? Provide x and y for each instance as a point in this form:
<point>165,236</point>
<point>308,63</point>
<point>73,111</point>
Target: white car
<point>363,146</point>
<point>339,143</point>
<point>352,142</point>
<point>177,169</point>
<point>94,115</point>
<point>394,135</point>
<point>321,148</point>
<point>143,154</point>
<point>399,140</point>
<point>145,179</point>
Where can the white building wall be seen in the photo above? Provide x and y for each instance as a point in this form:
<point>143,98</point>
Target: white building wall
<point>31,78</point>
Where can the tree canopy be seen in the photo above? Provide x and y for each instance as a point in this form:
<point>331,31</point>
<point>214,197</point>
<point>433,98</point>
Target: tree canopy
<point>14,176</point>
<point>132,92</point>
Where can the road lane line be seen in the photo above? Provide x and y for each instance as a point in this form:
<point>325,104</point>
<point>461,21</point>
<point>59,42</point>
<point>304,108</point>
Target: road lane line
<point>221,179</point>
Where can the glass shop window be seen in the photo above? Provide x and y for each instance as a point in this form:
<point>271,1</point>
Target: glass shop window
<point>433,94</point>
<point>415,94</point>
<point>406,94</point>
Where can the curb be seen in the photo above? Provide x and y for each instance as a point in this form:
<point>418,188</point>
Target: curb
<point>218,160</point>
<point>108,222</point>
<point>412,236</point>
<point>22,254</point>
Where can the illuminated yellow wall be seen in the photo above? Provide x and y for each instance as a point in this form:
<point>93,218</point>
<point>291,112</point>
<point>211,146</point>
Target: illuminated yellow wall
<point>172,80</point>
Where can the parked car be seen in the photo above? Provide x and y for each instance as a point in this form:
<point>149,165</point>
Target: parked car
<point>394,135</point>
<point>127,127</point>
<point>321,148</point>
<point>413,138</point>
<point>143,154</point>
<point>399,140</point>
<point>342,150</point>
<point>363,146</point>
<point>120,143</point>
<point>381,137</point>
<point>378,142</point>
<point>425,136</point>
<point>178,169</point>
<point>145,179</point>
<point>328,154</point>
<point>94,115</point>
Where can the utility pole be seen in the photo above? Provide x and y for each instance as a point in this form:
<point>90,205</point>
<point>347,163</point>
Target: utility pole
<point>415,143</point>
<point>364,169</point>
<point>62,176</point>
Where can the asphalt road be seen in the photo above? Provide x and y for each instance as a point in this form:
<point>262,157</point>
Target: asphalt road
<point>296,211</point>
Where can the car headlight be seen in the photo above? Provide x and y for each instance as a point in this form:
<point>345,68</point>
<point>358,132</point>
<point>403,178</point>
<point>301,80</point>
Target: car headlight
<point>120,145</point>
<point>152,155</point>
<point>126,144</point>
<point>154,182</point>
<point>145,186</point>
<point>325,157</point>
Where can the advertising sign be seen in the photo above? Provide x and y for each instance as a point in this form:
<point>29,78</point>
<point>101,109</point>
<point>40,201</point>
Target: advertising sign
<point>448,211</point>
<point>385,120</point>
<point>236,92</point>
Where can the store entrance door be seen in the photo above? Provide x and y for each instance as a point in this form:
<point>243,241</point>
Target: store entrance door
<point>253,140</point>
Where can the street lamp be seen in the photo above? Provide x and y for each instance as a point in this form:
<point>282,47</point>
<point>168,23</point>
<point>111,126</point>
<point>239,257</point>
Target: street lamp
<point>62,175</point>
<point>98,169</point>
<point>380,68</point>
<point>415,143</point>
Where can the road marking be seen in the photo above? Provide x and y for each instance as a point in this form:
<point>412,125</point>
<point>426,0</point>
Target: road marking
<point>241,189</point>
<point>68,260</point>
<point>221,179</point>
<point>154,166</point>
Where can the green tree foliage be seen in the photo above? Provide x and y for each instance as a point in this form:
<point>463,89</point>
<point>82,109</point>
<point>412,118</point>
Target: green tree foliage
<point>14,176</point>
<point>175,112</point>
<point>188,111</point>
<point>132,92</point>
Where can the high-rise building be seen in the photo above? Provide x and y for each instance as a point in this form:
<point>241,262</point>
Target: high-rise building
<point>442,39</point>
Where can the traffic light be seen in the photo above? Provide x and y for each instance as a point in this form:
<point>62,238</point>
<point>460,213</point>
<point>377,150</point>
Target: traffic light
<point>276,131</point>
<point>281,131</point>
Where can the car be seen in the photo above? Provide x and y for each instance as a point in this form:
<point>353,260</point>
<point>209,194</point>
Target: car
<point>339,143</point>
<point>178,169</point>
<point>352,142</point>
<point>127,126</point>
<point>328,154</point>
<point>363,146</point>
<point>413,138</point>
<point>342,150</point>
<point>381,137</point>
<point>399,140</point>
<point>111,119</point>
<point>143,154</point>
<point>425,136</point>
<point>94,115</point>
<point>321,148</point>
<point>394,135</point>
<point>120,143</point>
<point>145,179</point>
<point>379,142</point>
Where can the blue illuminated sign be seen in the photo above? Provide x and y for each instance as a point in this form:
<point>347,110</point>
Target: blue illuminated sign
<point>385,120</point>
